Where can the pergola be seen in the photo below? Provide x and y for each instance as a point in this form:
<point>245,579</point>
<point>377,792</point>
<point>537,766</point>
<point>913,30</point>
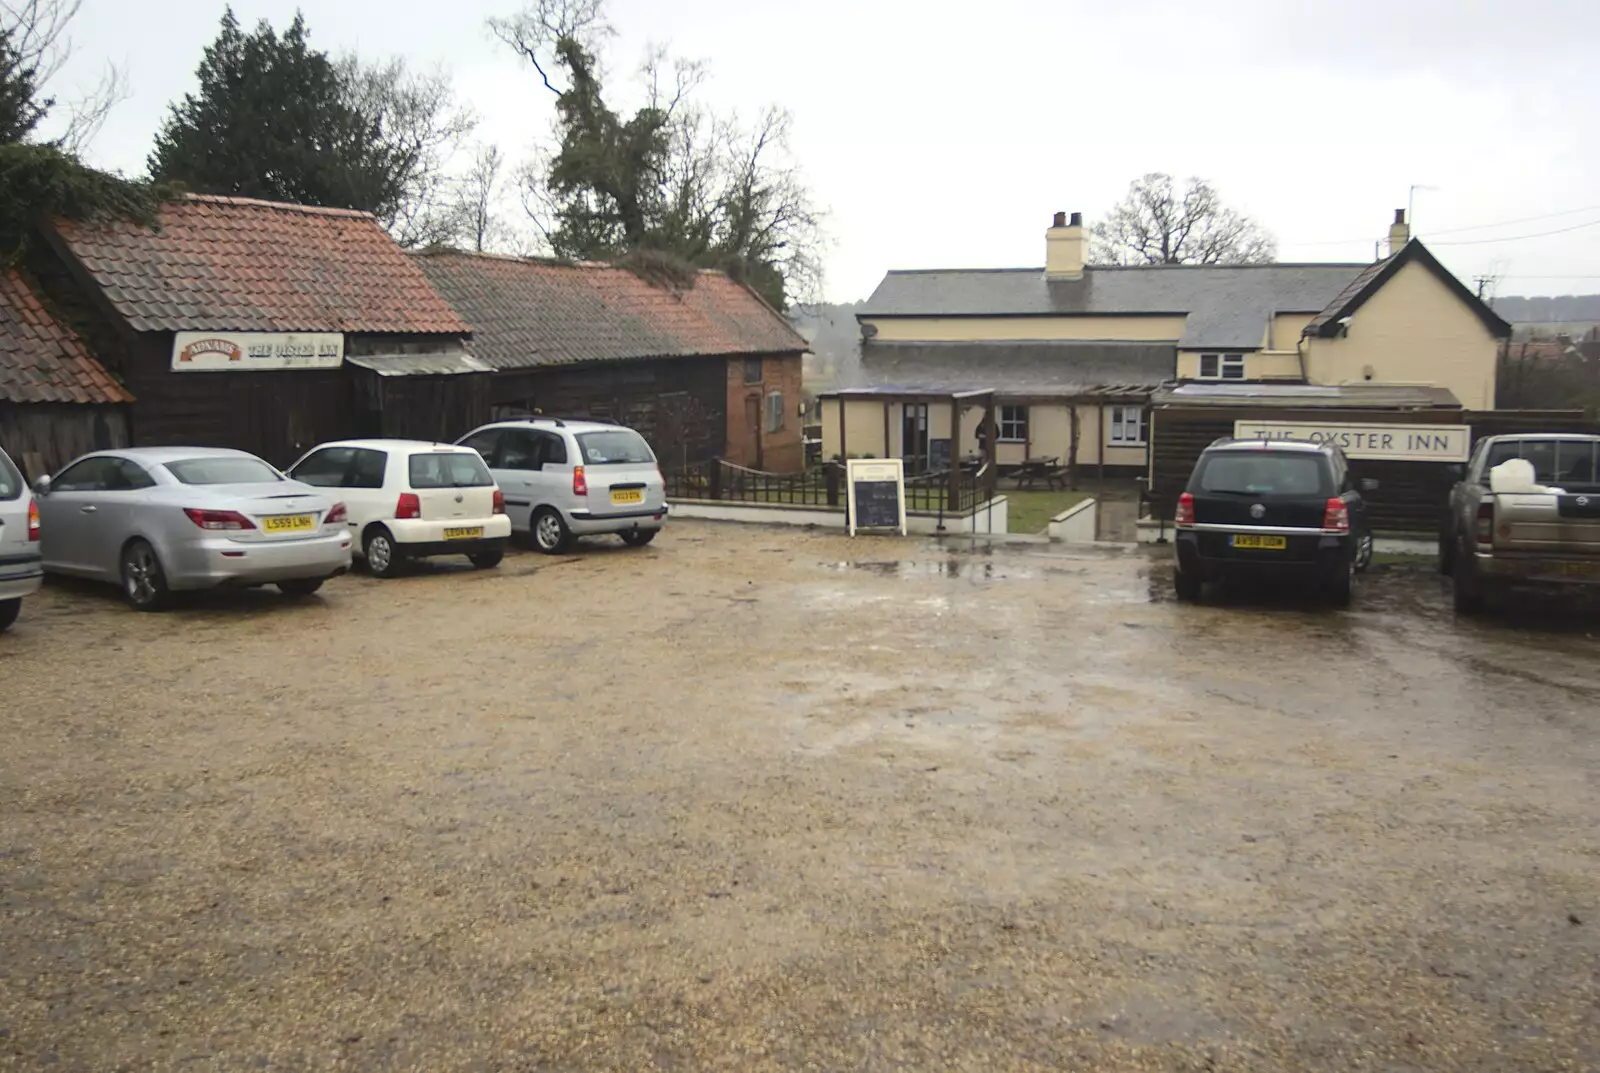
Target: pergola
<point>958,402</point>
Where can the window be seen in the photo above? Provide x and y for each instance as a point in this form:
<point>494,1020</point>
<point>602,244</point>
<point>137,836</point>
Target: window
<point>1263,473</point>
<point>90,475</point>
<point>448,469</point>
<point>10,479</point>
<point>775,411</point>
<point>519,450</point>
<point>223,469</point>
<point>1129,425</point>
<point>1014,424</point>
<point>752,370</point>
<point>1222,366</point>
<point>486,443</point>
<point>613,447</point>
<point>326,468</point>
<point>368,470</point>
<point>127,475</point>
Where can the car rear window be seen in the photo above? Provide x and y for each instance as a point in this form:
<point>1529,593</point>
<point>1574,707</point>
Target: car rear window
<point>1569,464</point>
<point>223,471</point>
<point>10,479</point>
<point>449,469</point>
<point>615,447</point>
<point>1264,473</point>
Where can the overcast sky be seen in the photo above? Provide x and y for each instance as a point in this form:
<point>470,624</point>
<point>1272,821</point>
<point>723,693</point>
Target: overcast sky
<point>945,135</point>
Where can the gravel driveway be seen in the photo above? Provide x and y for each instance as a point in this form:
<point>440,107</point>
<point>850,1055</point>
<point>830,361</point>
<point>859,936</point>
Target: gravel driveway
<point>751,799</point>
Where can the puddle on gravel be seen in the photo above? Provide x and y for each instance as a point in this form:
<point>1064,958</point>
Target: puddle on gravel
<point>920,569</point>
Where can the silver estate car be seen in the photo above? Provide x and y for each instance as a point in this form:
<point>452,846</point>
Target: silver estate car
<point>19,542</point>
<point>161,519</point>
<point>566,479</point>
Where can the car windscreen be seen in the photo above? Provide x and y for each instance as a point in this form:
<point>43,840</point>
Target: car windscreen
<point>223,470</point>
<point>10,480</point>
<point>449,469</point>
<point>1264,473</point>
<point>615,447</point>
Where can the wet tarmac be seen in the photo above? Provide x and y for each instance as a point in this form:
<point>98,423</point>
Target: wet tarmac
<point>755,799</point>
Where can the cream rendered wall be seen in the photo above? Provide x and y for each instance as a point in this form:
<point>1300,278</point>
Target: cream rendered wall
<point>1258,365</point>
<point>1414,330</point>
<point>1286,329</point>
<point>863,427</point>
<point>969,329</point>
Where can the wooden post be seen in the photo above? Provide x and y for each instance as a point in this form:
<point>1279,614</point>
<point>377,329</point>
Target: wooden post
<point>991,447</point>
<point>887,450</point>
<point>1072,450</point>
<point>955,459</point>
<point>1104,439</point>
<point>843,454</point>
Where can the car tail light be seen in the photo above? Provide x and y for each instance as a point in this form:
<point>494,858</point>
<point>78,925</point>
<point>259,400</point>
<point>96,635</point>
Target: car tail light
<point>580,483</point>
<point>1336,518</point>
<point>409,506</point>
<point>33,521</point>
<point>337,516</point>
<point>1185,510</point>
<point>499,501</point>
<point>1486,522</point>
<point>220,520</point>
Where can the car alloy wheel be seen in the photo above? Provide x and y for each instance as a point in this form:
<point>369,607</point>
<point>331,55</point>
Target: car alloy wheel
<point>142,580</point>
<point>547,531</point>
<point>382,559</point>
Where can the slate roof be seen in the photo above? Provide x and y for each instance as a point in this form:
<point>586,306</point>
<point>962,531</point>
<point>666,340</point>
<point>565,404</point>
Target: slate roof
<point>1327,396</point>
<point>1227,306</point>
<point>1366,284</point>
<point>1020,368</point>
<point>527,313</point>
<point>43,360</point>
<point>236,264</point>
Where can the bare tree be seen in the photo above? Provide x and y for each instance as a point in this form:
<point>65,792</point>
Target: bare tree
<point>538,28</point>
<point>423,127</point>
<point>481,226</point>
<point>1157,223</point>
<point>37,38</point>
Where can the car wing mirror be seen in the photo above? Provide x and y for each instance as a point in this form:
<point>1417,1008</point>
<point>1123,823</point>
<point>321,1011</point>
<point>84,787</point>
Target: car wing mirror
<point>1367,484</point>
<point>41,487</point>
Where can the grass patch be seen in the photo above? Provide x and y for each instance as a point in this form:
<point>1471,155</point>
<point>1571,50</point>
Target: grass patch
<point>1030,511</point>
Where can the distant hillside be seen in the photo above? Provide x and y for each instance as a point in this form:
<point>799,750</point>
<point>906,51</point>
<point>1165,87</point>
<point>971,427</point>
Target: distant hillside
<point>835,341</point>
<point>1566,309</point>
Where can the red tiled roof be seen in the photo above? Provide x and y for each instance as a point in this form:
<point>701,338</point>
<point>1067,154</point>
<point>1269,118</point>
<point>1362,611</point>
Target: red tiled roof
<point>235,264</point>
<point>43,360</point>
<point>528,312</point>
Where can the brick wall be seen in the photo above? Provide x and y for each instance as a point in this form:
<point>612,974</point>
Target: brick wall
<point>750,441</point>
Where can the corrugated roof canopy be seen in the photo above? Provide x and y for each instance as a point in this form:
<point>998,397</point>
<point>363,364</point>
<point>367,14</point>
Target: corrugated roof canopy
<point>1021,368</point>
<point>235,264</point>
<point>1329,396</point>
<point>1226,306</point>
<point>527,313</point>
<point>43,360</point>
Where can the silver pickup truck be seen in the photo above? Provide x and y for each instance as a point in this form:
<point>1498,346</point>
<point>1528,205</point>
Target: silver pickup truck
<point>1536,524</point>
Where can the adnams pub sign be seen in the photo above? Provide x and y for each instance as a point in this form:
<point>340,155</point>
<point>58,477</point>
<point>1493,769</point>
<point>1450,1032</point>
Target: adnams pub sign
<point>1402,443</point>
<point>211,352</point>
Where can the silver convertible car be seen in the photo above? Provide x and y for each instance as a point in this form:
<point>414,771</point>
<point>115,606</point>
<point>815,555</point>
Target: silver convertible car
<point>162,519</point>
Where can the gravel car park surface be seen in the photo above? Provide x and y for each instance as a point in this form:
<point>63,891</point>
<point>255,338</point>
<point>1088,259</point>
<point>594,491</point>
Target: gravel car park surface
<point>755,799</point>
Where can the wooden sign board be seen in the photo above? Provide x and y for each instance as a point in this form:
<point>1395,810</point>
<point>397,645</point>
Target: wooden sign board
<point>876,493</point>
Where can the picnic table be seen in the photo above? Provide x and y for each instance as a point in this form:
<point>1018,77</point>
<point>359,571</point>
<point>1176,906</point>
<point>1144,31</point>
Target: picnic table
<point>1046,468</point>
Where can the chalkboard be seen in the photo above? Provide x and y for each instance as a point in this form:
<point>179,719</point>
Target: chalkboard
<point>877,497</point>
<point>938,455</point>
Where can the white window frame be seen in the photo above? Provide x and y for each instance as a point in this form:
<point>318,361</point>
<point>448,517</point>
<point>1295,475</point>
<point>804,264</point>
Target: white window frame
<point>1001,422</point>
<point>774,415</point>
<point>1118,422</point>
<point>1226,363</point>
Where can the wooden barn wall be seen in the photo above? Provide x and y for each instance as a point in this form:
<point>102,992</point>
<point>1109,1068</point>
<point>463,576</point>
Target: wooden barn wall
<point>678,404</point>
<point>442,408</point>
<point>43,437</point>
<point>1411,496</point>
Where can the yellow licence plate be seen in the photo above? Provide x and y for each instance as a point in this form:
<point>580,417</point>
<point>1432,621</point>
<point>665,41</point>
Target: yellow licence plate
<point>627,495</point>
<point>1580,569</point>
<point>465,533</point>
<point>288,523</point>
<point>1266,543</point>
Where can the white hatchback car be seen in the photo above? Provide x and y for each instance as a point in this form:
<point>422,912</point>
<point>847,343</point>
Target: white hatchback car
<point>566,479</point>
<point>410,498</point>
<point>20,569</point>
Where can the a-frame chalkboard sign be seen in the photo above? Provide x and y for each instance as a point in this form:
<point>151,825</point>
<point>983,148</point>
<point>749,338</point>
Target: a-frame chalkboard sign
<point>876,494</point>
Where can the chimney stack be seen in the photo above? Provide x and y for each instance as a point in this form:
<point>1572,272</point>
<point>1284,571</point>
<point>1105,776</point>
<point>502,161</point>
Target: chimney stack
<point>1063,247</point>
<point>1399,232</point>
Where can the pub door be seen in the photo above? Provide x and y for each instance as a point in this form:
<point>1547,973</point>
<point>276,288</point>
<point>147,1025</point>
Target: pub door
<point>914,436</point>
